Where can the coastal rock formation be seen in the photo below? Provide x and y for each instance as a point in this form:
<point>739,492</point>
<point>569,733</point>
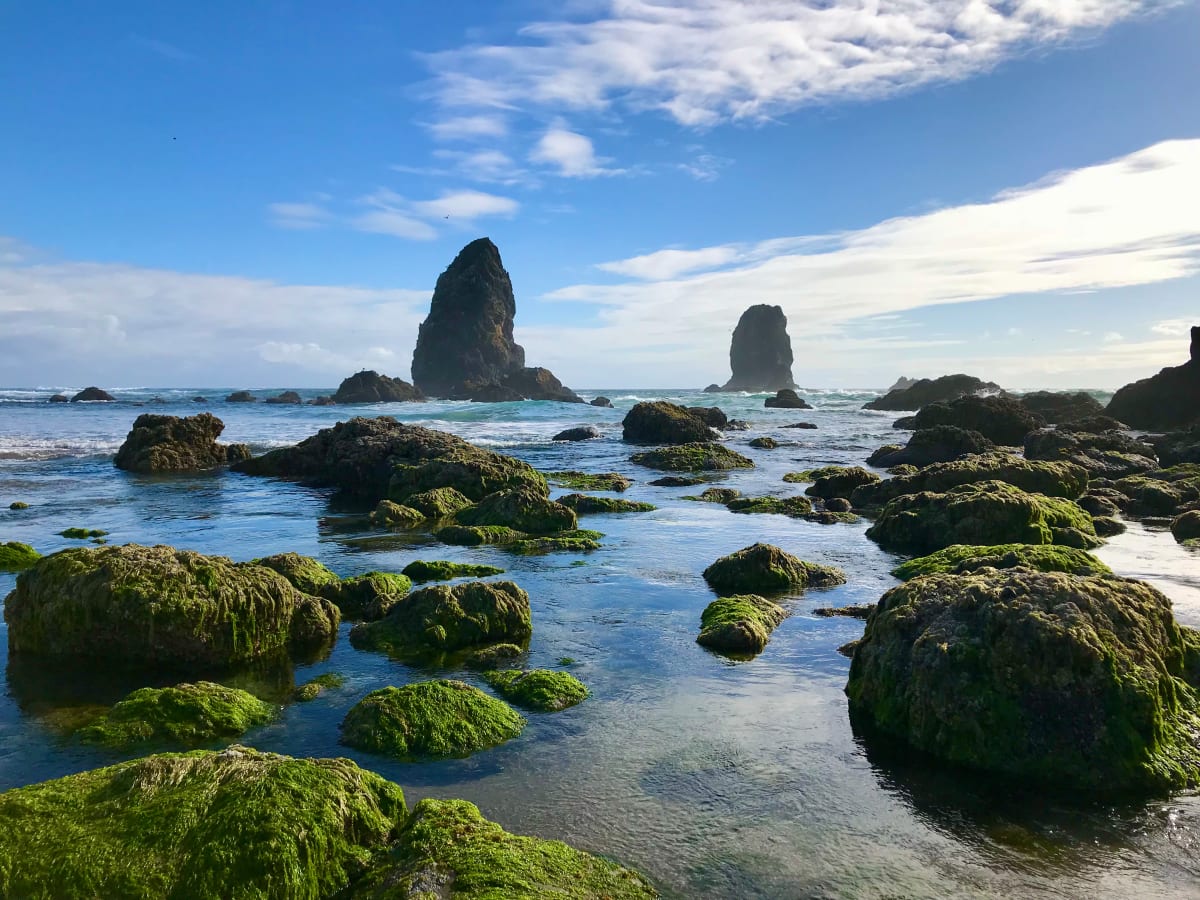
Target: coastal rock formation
<point>1177,446</point>
<point>1109,454</point>
<point>764,568</point>
<point>521,509</point>
<point>962,559</point>
<point>582,433</point>
<point>602,402</point>
<point>441,570</point>
<point>1186,528</point>
<point>1062,407</point>
<point>138,605</point>
<point>1079,682</point>
<point>786,399</point>
<point>542,689</point>
<point>999,419</point>
<point>370,387</point>
<point>241,397</point>
<point>903,383</point>
<point>468,336</point>
<point>712,416</point>
<point>698,457</point>
<point>926,391</point>
<point>586,504</point>
<point>490,393</point>
<point>171,444</point>
<point>760,355</point>
<point>186,714</point>
<point>660,422</point>
<point>60,398</point>
<point>93,395</point>
<point>942,443</point>
<point>1170,399</point>
<point>537,383</point>
<point>740,624</point>
<point>287,398</point>
<point>839,481</point>
<point>1055,479</point>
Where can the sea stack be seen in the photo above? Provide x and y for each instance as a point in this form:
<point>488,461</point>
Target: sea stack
<point>1170,399</point>
<point>761,352</point>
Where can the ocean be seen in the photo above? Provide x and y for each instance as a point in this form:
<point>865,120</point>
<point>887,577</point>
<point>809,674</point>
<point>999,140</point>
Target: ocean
<point>715,778</point>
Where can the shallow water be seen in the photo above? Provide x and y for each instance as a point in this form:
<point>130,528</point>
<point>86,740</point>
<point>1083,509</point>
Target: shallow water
<point>715,778</point>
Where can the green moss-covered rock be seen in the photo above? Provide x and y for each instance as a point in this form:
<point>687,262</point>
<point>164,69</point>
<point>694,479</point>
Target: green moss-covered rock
<point>981,514</point>
<point>764,568</point>
<point>1187,526</point>
<point>315,687</point>
<point>840,482</point>
<point>960,559</point>
<point>698,457</point>
<point>186,714</point>
<point>583,504</point>
<point>365,598</point>
<point>831,517</point>
<point>200,825</point>
<point>1000,419</point>
<point>723,496</point>
<point>1069,681</point>
<point>585,481</point>
<point>806,476</point>
<point>796,507</point>
<point>448,850</point>
<point>172,444</point>
<point>304,573</point>
<point>659,422</point>
<point>540,689</point>
<point>157,605</point>
<point>493,657</point>
<point>445,618</point>
<point>82,534</point>
<point>477,535</point>
<point>441,570</point>
<point>522,510</point>
<point>17,557</point>
<point>581,540</point>
<point>17,505</point>
<point>764,443</point>
<point>1054,479</point>
<point>439,503</point>
<point>395,515</point>
<point>429,719</point>
<point>740,624</point>
<point>1161,493</point>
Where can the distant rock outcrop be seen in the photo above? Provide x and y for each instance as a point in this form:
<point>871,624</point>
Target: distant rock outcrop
<point>761,352</point>
<point>60,398</point>
<point>660,422</point>
<point>171,444</point>
<point>287,398</point>
<point>1170,399</point>
<point>602,402</point>
<point>903,383</point>
<point>370,387</point>
<point>1062,407</point>
<point>926,391</point>
<point>786,399</point>
<point>93,395</point>
<point>241,397</point>
<point>582,433</point>
<point>537,383</point>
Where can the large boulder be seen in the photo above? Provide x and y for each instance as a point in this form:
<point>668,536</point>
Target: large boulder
<point>712,416</point>
<point>489,393</point>
<point>786,399</point>
<point>741,624</point>
<point>925,391</point>
<point>840,481</point>
<point>942,443</point>
<point>171,444</point>
<point>93,395</point>
<point>1062,407</point>
<point>961,559</point>
<point>17,557</point>
<point>700,457</point>
<point>537,383</point>
<point>1108,454</point>
<point>522,509</point>
<point>1078,682</point>
<point>468,336</point>
<point>1001,420</point>
<point>660,422</point>
<point>287,398</point>
<point>1177,446</point>
<point>765,568</point>
<point>135,605</point>
<point>542,689</point>
<point>1170,399</point>
<point>760,354</point>
<point>581,433</point>
<point>186,714</point>
<point>991,512</point>
<point>370,387</point>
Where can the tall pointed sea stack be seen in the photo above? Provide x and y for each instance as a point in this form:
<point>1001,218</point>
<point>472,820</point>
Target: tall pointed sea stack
<point>761,353</point>
<point>1170,399</point>
<point>467,338</point>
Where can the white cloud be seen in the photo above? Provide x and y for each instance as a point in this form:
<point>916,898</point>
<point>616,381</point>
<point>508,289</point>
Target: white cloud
<point>300,216</point>
<point>468,205</point>
<point>1112,337</point>
<point>459,128</point>
<point>704,61</point>
<point>1174,327</point>
<point>704,166</point>
<point>572,154</point>
<point>664,264</point>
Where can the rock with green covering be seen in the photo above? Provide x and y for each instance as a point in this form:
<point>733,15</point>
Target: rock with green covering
<point>1000,419</point>
<point>942,443</point>
<point>1069,681</point>
<point>764,568</point>
<point>960,559</point>
<point>699,457</point>
<point>395,515</point>
<point>585,481</point>
<point>1106,526</point>
<point>584,504</point>
<point>1108,454</point>
<point>315,687</point>
<point>764,443</point>
<point>1186,527</point>
<point>17,557</point>
<point>365,598</point>
<point>82,534</point>
<point>810,475</point>
<point>157,605</point>
<point>187,714</point>
<point>659,422</point>
<point>540,689</point>
<point>173,444</point>
<point>1062,407</point>
<point>1054,479</point>
<point>200,825</point>
<point>1164,492</point>
<point>429,719</point>
<point>831,517</point>
<point>840,482</point>
<point>783,506</point>
<point>441,570</point>
<point>477,535</point>
<point>449,851</point>
<point>982,514</point>
<point>741,624</point>
<point>581,540</point>
<point>445,618</point>
<point>723,496</point>
<point>493,657</point>
<point>522,510</point>
<point>439,503</point>
<point>304,573</point>
<point>677,481</point>
<point>18,505</point>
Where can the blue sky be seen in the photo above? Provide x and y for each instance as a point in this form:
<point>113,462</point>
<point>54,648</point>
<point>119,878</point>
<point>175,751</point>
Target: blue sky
<point>265,193</point>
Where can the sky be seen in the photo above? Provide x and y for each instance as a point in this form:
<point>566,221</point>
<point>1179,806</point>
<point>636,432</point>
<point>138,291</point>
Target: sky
<point>262,194</point>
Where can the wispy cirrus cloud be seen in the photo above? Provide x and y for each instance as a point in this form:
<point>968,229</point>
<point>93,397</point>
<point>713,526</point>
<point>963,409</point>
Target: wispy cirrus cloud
<point>570,154</point>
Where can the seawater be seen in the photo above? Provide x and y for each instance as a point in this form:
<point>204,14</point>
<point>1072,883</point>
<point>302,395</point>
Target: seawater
<point>715,778</point>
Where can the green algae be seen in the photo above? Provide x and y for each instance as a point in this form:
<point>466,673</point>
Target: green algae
<point>566,660</point>
<point>796,507</point>
<point>584,504</point>
<point>581,540</point>
<point>838,481</point>
<point>429,719</point>
<point>807,475</point>
<point>716,495</point>
<point>586,481</point>
<point>17,557</point>
<point>394,515</point>
<point>185,714</point>
<point>477,535</point>
<point>368,597</point>
<point>740,624</point>
<point>828,517</point>
<point>314,687</point>
<point>200,826</point>
<point>18,505</point>
<point>304,573</point>
<point>439,503</point>
<point>699,457</point>
<point>962,558</point>
<point>493,657</point>
<point>447,850</point>
<point>540,689</point>
<point>82,534</point>
<point>764,443</point>
<point>441,570</point>
<point>763,568</point>
<point>521,510</point>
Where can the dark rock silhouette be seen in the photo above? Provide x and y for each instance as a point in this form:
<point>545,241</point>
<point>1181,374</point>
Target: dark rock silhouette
<point>903,383</point>
<point>926,391</point>
<point>602,402</point>
<point>241,397</point>
<point>1062,407</point>
<point>323,400</point>
<point>712,416</point>
<point>1170,399</point>
<point>290,398</point>
<point>60,398</point>
<point>1001,420</point>
<point>940,443</point>
<point>199,399</point>
<point>786,399</point>
<point>171,444</point>
<point>713,389</point>
<point>93,395</point>
<point>537,383</point>
<point>664,423</point>
<point>760,354</point>
<point>370,387</point>
<point>583,433</point>
<point>492,393</point>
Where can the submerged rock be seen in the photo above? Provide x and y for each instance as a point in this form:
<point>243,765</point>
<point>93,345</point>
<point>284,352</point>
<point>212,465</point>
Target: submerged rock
<point>185,714</point>
<point>540,689</point>
<point>369,597</point>
<point>93,395</point>
<point>1067,681</point>
<point>740,624</point>
<point>760,354</point>
<point>315,687</point>
<point>786,399</point>
<point>1062,407</point>
<point>999,419</point>
<point>582,433</point>
<point>677,481</point>
<point>699,457</point>
<point>589,481</point>
<point>441,570</point>
<point>17,557</point>
<point>583,504</point>
<point>602,402</point>
<point>942,443</point>
<point>796,507</point>
<point>925,391</point>
<point>395,515</point>
<point>201,825</point>
<point>522,509</point>
<point>960,559</point>
<point>369,386</point>
<point>429,719</point>
<point>171,444</point>
<point>763,568</point>
<point>764,443</point>
<point>660,422</point>
<point>1170,399</point>
<point>160,606</point>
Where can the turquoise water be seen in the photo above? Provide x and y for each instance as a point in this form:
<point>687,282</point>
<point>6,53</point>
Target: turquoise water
<point>715,778</point>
